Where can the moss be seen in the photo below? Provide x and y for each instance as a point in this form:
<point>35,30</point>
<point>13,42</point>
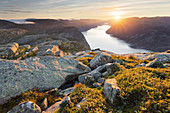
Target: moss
<point>35,96</point>
<point>86,60</point>
<point>128,62</point>
<point>144,89</point>
<point>95,102</point>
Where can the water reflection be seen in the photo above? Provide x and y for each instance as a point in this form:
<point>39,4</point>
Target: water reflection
<point>98,38</point>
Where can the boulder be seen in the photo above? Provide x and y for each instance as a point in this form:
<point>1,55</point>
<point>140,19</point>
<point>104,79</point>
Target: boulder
<point>89,77</point>
<point>18,76</point>
<point>111,89</point>
<point>164,57</point>
<point>155,63</point>
<point>6,51</point>
<point>100,59</point>
<point>44,104</point>
<point>26,107</point>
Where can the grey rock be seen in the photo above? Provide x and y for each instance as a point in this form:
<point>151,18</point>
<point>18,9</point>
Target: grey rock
<point>111,89</point>
<point>95,74</point>
<point>96,85</point>
<point>67,91</point>
<point>100,59</point>
<point>86,79</point>
<point>6,51</point>
<point>141,65</point>
<point>155,63</point>
<point>81,102</point>
<point>66,101</point>
<point>164,57</point>
<point>166,65</point>
<point>105,74</point>
<point>18,76</point>
<point>100,68</point>
<point>26,107</point>
<point>100,80</point>
<point>44,104</point>
<point>84,56</point>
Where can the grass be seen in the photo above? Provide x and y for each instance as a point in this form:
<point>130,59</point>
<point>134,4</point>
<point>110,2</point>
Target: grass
<point>35,96</point>
<point>144,89</point>
<point>95,102</point>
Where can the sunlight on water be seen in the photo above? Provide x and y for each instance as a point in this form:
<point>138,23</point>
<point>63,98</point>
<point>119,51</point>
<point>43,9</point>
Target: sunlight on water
<point>98,38</point>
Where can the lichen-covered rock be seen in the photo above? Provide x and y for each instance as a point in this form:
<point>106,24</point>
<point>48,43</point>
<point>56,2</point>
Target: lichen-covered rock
<point>111,89</point>
<point>155,63</point>
<point>141,65</point>
<point>18,76</point>
<point>26,107</point>
<point>44,104</point>
<point>164,57</point>
<point>100,59</point>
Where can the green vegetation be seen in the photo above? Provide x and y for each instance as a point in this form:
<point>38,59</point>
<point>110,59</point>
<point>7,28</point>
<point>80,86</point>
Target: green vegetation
<point>86,60</point>
<point>35,96</point>
<point>144,89</point>
<point>129,62</point>
<point>95,102</point>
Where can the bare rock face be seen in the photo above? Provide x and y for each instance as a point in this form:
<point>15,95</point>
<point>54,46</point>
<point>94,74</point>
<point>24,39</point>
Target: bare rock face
<point>26,107</point>
<point>18,76</point>
<point>100,59</point>
<point>111,89</point>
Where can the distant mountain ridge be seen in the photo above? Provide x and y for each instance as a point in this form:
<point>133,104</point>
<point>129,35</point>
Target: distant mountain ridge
<point>145,33</point>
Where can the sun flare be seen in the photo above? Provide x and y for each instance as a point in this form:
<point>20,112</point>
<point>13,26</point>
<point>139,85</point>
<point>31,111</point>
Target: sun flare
<point>117,15</point>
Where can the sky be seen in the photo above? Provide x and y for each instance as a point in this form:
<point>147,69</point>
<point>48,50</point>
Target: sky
<point>83,9</point>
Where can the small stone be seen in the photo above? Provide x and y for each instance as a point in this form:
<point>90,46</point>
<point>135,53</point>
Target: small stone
<point>141,65</point>
<point>26,107</point>
<point>100,80</point>
<point>96,85</point>
<point>44,104</point>
<point>67,91</point>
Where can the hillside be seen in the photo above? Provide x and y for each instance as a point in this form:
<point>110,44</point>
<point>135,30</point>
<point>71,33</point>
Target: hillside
<point>46,78</point>
<point>53,70</point>
<point>144,33</point>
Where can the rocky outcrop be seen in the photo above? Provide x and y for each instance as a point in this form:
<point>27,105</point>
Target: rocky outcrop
<point>26,107</point>
<point>18,76</point>
<point>144,33</point>
<point>8,50</point>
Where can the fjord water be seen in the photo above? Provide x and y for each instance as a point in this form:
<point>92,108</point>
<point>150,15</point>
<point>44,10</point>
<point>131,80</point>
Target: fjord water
<point>98,38</point>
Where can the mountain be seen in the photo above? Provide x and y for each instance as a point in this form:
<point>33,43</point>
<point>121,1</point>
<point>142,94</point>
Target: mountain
<point>145,33</point>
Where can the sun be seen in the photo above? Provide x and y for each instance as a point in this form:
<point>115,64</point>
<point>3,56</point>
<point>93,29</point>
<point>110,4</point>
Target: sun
<point>117,17</point>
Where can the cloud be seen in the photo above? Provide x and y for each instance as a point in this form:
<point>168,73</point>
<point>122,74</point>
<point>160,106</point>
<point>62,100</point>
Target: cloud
<point>11,6</point>
<point>17,11</point>
<point>108,8</point>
